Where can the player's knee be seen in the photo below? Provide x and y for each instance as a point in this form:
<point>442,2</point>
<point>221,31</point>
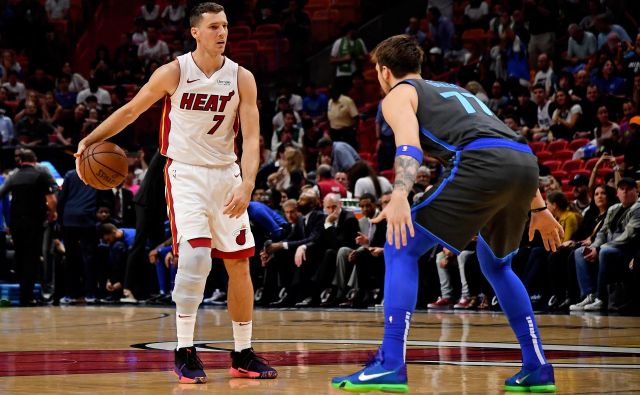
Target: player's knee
<point>237,267</point>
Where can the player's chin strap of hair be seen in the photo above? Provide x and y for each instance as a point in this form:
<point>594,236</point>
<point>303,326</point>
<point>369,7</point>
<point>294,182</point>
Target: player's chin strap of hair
<point>410,150</point>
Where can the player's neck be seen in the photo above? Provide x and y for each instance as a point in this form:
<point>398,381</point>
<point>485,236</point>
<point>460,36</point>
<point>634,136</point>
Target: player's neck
<point>209,63</point>
<point>412,76</point>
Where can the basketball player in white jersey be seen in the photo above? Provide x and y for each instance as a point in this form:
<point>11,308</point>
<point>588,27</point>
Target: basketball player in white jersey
<point>206,97</point>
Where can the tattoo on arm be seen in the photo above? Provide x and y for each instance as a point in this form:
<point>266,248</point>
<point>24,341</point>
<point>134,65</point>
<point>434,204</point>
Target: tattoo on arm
<point>406,169</point>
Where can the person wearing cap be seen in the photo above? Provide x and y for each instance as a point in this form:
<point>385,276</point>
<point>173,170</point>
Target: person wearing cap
<point>617,242</point>
<point>580,184</point>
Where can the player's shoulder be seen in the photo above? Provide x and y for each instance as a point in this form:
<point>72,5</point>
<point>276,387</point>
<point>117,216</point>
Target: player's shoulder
<point>246,80</point>
<point>167,76</point>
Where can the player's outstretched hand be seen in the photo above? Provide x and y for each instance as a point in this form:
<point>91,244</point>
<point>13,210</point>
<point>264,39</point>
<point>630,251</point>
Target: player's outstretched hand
<point>550,230</point>
<point>237,201</point>
<point>398,215</point>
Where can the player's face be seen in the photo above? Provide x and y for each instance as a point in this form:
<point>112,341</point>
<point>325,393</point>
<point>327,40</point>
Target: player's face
<point>383,78</point>
<point>211,32</point>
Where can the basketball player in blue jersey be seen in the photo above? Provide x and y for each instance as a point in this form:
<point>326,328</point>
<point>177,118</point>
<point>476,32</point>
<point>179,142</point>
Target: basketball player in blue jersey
<point>489,187</point>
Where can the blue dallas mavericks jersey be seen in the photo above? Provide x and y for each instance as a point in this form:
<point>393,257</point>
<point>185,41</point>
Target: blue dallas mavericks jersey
<point>451,117</point>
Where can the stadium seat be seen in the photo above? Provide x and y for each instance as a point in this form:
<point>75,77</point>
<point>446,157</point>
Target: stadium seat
<point>557,145</point>
<point>319,3</point>
<point>245,46</point>
<point>474,35</point>
<point>563,155</point>
<point>553,165</point>
<point>273,28</point>
<point>263,36</point>
<point>238,33</point>
<point>371,75</point>
<point>578,143</point>
<point>537,146</point>
<point>572,165</point>
<point>544,155</point>
<point>245,59</point>
<point>323,26</point>
<point>584,172</point>
<point>365,156</point>
<point>591,163</point>
<point>560,174</point>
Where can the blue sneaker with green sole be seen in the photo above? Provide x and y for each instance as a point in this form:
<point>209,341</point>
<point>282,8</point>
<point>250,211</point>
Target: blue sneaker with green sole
<point>539,380</point>
<point>374,378</point>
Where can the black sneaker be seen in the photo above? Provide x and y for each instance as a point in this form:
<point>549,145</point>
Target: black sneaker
<point>246,364</point>
<point>188,367</point>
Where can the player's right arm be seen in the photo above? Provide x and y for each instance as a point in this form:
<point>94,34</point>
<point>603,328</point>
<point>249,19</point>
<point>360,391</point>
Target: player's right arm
<point>163,82</point>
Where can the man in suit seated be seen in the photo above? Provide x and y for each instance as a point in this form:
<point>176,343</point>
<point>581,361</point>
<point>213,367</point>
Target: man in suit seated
<point>340,231</point>
<point>119,201</point>
<point>286,261</point>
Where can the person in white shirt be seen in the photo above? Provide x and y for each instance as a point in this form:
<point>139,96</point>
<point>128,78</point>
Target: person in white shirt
<point>57,9</point>
<point>103,97</point>
<point>77,82</point>
<point>545,75</point>
<point>150,11</point>
<point>365,180</point>
<point>174,13</point>
<point>15,87</point>
<point>153,48</point>
<point>139,35</point>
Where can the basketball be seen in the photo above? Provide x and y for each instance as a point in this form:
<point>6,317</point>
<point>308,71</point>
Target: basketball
<point>103,165</point>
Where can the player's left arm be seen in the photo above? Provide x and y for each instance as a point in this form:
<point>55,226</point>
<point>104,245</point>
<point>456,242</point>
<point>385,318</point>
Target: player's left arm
<point>250,125</point>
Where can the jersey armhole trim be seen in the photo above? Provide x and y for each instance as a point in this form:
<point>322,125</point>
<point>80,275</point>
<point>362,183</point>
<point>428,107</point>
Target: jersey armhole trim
<point>179,79</point>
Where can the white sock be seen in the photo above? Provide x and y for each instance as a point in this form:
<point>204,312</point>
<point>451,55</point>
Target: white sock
<point>242,335</point>
<point>185,325</point>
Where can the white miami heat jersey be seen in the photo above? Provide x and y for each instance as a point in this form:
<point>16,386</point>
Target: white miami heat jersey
<point>200,120</point>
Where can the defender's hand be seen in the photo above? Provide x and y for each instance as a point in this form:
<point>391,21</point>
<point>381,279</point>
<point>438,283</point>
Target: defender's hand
<point>550,230</point>
<point>398,215</point>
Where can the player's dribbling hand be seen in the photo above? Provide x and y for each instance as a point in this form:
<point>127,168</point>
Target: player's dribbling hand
<point>398,215</point>
<point>81,147</point>
<point>550,230</point>
<point>237,201</point>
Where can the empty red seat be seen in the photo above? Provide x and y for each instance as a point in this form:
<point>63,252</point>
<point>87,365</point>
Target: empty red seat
<point>237,33</point>
<point>536,146</point>
<point>272,28</point>
<point>563,155</point>
<point>572,165</point>
<point>557,145</point>
<point>578,143</point>
<point>591,163</point>
<point>245,59</point>
<point>560,174</point>
<point>553,165</point>
<point>544,155</point>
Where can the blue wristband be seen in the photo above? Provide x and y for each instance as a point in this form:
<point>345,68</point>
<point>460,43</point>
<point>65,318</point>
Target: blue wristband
<point>410,150</point>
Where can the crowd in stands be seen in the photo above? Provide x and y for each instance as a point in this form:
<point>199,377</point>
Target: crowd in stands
<point>565,75</point>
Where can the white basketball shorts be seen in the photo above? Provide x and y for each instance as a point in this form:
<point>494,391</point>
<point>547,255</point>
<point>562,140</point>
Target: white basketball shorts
<point>195,200</point>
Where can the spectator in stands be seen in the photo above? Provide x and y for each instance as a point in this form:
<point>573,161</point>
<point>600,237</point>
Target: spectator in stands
<point>413,30</point>
<point>545,76</point>
<point>343,117</point>
<point>93,117</point>
<point>605,130</point>
<point>150,12</point>
<point>581,81</point>
<point>7,135</point>
<point>341,156</point>
<point>314,103</point>
<point>153,48</point>
<point>615,245</point>
<point>365,181</point>
<point>608,82</point>
<point>441,28</point>
<point>525,110</point>
<point>77,83</point>
<point>340,230</point>
<point>434,64</point>
<point>16,89</point>
<point>498,100</point>
<point>139,34</point>
<point>102,95</point>
<point>444,260</point>
<point>289,133</point>
<point>628,112</point>
<point>590,107</point>
<point>348,53</point>
<point>514,51</point>
<point>8,64</point>
<point>476,14</point>
<point>631,163</point>
<point>565,117</point>
<point>594,9</point>
<point>325,183</point>
<point>63,94</point>
<point>283,105</point>
<point>580,184</point>
<point>72,126</point>
<point>545,110</point>
<point>631,59</point>
<point>604,26</point>
<point>119,241</point>
<point>51,109</point>
<point>291,174</point>
<point>173,15</point>
<point>7,110</point>
<point>101,66</point>
<point>57,9</point>
<point>581,46</point>
<point>542,16</point>
<point>32,130</point>
<point>513,123</point>
<point>119,201</point>
<point>40,82</point>
<point>33,201</point>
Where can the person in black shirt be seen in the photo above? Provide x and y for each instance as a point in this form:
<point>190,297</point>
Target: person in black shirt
<point>33,202</point>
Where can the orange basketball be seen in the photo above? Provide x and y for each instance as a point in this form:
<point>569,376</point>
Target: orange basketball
<point>104,165</point>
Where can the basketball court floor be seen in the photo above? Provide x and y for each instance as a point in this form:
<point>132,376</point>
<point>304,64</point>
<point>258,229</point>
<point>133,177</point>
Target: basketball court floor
<point>124,350</point>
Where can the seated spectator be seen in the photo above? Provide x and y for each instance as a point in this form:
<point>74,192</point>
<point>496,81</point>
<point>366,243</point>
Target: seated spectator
<point>4,107</point>
<point>150,12</point>
<point>153,48</point>
<point>340,230</point>
<point>413,30</point>
<point>32,130</point>
<point>545,110</point>
<point>289,133</point>
<point>51,109</point>
<point>291,174</point>
<point>15,88</point>
<point>580,184</point>
<point>441,28</point>
<point>343,118</point>
<point>63,95</point>
<point>476,13</point>
<point>365,181</point>
<point>77,83</point>
<point>565,117</point>
<point>604,26</point>
<point>312,134</point>
<point>166,268</point>
<point>92,120</point>
<point>119,242</point>
<point>325,183</point>
<point>8,64</point>
<point>139,34</point>
<point>119,201</point>
<point>360,269</point>
<point>581,82</point>
<point>314,103</point>
<point>516,57</point>
<point>525,110</point>
<point>545,75</point>
<point>57,9</point>
<point>614,247</point>
<point>631,163</point>
<point>173,15</point>
<point>7,135</point>
<point>72,126</point>
<point>101,66</point>
<point>283,105</point>
<point>498,100</point>
<point>40,82</point>
<point>341,156</point>
<point>581,46</point>
<point>631,59</point>
<point>103,96</point>
<point>608,82</point>
<point>342,178</point>
<point>628,112</point>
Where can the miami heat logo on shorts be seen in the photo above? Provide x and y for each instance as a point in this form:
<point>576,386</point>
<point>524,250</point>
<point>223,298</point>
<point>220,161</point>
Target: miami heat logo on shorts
<point>241,236</point>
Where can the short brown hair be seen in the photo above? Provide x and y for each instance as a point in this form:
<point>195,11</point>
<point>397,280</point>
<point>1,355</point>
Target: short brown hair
<point>196,12</point>
<point>401,54</point>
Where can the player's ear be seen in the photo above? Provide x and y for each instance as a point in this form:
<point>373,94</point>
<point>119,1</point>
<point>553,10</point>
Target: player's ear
<point>194,31</point>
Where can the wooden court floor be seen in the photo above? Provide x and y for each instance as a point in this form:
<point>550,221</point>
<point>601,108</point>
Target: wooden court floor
<point>123,350</point>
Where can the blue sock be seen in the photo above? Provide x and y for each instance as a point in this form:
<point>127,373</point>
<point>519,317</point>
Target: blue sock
<point>515,303</point>
<point>400,295</point>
